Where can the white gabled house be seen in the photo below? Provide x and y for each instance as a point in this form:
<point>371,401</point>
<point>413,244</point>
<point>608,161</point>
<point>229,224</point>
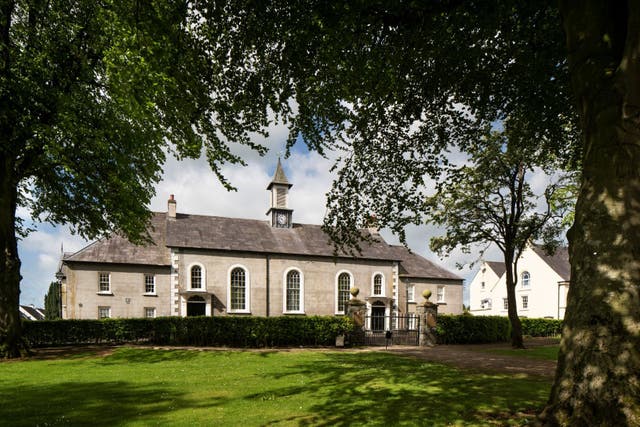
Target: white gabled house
<point>541,291</point>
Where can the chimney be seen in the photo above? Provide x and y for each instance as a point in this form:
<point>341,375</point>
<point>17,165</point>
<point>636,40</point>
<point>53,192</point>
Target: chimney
<point>372,224</point>
<point>171,207</point>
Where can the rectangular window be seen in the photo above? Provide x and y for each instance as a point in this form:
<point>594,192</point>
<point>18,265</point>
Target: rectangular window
<point>525,301</point>
<point>104,282</point>
<point>505,303</point>
<point>149,284</point>
<point>411,293</point>
<point>440,294</point>
<point>482,285</point>
<point>104,312</point>
<point>485,303</point>
<point>150,312</point>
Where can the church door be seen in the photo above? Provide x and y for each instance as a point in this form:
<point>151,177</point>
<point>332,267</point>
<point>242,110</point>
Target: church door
<point>377,316</point>
<point>196,306</point>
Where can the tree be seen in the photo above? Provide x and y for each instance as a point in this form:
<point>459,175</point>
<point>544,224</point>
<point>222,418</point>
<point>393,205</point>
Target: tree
<point>395,84</point>
<point>53,302</point>
<point>490,201</point>
<point>94,96</point>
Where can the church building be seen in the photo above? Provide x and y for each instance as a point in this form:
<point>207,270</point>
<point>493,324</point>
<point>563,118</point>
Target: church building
<point>216,266</point>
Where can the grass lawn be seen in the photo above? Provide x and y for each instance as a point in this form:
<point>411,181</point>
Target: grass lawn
<point>142,387</point>
<point>545,352</point>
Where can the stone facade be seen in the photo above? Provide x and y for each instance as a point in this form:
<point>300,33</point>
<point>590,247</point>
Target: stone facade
<point>217,266</point>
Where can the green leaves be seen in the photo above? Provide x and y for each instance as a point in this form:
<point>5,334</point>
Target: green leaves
<point>492,200</point>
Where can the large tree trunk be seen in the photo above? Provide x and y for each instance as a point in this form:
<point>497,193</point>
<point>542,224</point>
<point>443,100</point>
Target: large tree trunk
<point>11,343</point>
<point>598,376</point>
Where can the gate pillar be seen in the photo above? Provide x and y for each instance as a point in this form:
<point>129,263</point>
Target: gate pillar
<point>357,312</point>
<point>428,314</point>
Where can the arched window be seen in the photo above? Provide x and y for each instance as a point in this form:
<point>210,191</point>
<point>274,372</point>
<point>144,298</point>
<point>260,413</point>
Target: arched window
<point>293,292</point>
<point>196,277</point>
<point>344,285</point>
<point>378,283</point>
<point>526,279</point>
<point>238,290</point>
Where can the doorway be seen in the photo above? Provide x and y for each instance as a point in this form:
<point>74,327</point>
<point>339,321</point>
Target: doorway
<point>377,316</point>
<point>196,306</point>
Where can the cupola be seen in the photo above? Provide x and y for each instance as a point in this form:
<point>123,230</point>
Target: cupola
<point>279,212</point>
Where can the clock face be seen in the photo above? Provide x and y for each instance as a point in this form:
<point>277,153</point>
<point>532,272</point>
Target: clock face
<point>282,219</point>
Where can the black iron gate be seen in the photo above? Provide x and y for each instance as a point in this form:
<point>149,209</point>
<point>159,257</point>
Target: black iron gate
<point>403,330</point>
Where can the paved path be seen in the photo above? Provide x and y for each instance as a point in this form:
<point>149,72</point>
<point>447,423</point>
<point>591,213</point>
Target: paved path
<point>477,358</point>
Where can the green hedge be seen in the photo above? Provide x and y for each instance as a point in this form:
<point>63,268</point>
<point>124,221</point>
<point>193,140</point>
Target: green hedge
<point>541,327</point>
<point>233,331</point>
<point>465,329</point>
<point>251,331</point>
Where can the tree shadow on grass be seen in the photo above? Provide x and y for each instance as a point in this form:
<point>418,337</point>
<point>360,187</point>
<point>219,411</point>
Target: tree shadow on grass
<point>382,389</point>
<point>147,356</point>
<point>90,403</point>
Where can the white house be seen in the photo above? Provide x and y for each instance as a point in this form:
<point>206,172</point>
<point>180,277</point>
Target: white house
<point>541,291</point>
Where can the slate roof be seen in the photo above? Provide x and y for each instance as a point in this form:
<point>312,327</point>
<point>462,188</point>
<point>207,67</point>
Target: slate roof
<point>497,266</point>
<point>244,235</point>
<point>250,235</point>
<point>414,265</point>
<point>558,261</point>
<point>118,250</point>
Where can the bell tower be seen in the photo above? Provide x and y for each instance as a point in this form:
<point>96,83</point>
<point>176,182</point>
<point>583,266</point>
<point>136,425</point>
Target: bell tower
<point>281,215</point>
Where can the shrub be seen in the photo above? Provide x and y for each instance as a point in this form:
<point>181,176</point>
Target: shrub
<point>461,329</point>
<point>541,327</point>
<point>233,331</point>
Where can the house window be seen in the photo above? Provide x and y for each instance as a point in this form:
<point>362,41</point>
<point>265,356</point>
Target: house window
<point>149,284</point>
<point>526,280</point>
<point>525,301</point>
<point>411,293</point>
<point>505,303</point>
<point>104,283</point>
<point>485,303</point>
<point>440,294</point>
<point>377,284</point>
<point>482,285</point>
<point>238,292</point>
<point>104,312</point>
<point>293,291</point>
<point>196,277</point>
<point>149,312</point>
<point>344,285</point>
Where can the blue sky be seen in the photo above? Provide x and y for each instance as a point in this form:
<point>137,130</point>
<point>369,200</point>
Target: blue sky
<point>197,191</point>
